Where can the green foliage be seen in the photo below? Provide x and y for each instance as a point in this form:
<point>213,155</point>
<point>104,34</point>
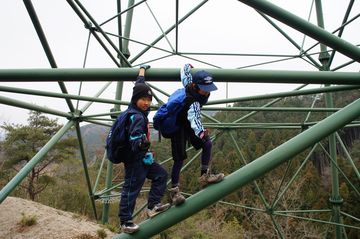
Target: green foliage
<point>22,142</point>
<point>101,233</point>
<point>207,224</point>
<point>27,220</point>
<point>111,227</point>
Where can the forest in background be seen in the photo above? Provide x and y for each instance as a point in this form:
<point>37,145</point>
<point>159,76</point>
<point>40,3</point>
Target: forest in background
<point>242,214</point>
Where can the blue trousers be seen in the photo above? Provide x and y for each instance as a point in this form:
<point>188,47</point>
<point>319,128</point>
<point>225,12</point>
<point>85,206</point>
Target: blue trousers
<point>135,175</point>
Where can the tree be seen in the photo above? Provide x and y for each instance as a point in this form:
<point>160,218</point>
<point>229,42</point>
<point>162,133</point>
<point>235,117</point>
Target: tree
<point>22,142</point>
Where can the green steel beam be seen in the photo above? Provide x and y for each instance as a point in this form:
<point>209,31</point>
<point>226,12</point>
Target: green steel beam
<point>86,172</point>
<point>29,106</point>
<point>173,74</point>
<point>350,6</point>
<point>285,94</point>
<point>282,32</point>
<point>11,185</point>
<point>60,95</point>
<point>324,54</point>
<point>167,31</point>
<point>348,156</point>
<point>248,173</point>
<point>124,47</point>
<point>98,27</point>
<point>35,20</point>
<point>92,31</point>
<point>305,27</point>
<point>315,220</point>
<point>278,109</point>
<point>335,199</point>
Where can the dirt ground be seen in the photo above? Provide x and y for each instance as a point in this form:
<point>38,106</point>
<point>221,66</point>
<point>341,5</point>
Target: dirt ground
<point>50,222</point>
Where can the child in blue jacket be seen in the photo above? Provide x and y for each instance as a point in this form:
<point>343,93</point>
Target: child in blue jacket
<point>141,164</point>
<point>198,88</point>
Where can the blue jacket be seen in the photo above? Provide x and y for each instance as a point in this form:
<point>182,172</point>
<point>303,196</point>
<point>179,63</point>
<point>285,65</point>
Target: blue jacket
<point>138,130</point>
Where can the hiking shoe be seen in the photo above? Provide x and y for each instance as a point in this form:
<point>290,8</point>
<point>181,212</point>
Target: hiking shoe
<point>209,178</point>
<point>175,196</point>
<point>159,208</point>
<point>129,227</point>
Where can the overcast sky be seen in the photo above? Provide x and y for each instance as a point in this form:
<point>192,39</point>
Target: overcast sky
<point>217,27</point>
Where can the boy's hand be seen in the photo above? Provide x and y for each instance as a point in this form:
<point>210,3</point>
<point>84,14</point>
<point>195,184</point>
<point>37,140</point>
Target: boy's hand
<point>144,145</point>
<point>204,135</point>
<point>144,66</point>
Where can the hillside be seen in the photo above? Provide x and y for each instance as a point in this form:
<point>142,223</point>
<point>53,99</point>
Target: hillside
<point>50,222</point>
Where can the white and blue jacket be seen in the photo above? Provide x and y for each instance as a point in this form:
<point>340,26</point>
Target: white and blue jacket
<point>193,113</point>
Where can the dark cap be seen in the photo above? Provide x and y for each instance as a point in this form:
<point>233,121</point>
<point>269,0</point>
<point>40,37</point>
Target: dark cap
<point>141,90</point>
<point>204,80</point>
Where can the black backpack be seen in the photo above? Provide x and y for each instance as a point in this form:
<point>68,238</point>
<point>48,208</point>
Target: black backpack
<point>117,142</point>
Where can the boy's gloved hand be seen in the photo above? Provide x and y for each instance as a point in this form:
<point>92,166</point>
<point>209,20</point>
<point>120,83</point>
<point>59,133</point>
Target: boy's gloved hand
<point>148,159</point>
<point>145,67</point>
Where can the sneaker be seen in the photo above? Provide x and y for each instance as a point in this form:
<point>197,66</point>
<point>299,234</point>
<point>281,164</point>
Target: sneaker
<point>209,178</point>
<point>129,227</point>
<point>175,196</point>
<point>159,208</point>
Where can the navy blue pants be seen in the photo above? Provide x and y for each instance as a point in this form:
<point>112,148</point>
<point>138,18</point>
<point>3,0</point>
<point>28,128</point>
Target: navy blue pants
<point>178,149</point>
<point>135,175</point>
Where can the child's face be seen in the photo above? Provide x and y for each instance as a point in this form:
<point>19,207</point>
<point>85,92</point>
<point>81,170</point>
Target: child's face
<point>143,103</point>
<point>204,93</point>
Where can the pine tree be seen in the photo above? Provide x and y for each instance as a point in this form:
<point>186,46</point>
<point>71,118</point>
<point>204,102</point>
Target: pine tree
<point>22,142</point>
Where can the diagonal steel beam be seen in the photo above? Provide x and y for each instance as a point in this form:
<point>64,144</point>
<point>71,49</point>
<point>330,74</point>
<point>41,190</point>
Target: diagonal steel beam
<point>35,20</point>
<point>305,27</point>
<point>11,185</point>
<point>247,174</point>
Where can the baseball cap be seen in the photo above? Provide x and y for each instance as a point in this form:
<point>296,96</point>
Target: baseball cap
<point>204,80</point>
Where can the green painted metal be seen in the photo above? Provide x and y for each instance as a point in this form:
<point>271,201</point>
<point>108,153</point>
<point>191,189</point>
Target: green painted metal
<point>172,74</point>
<point>86,172</point>
<point>11,185</point>
<point>348,156</point>
<point>284,94</point>
<point>106,199</point>
<point>352,80</point>
<point>278,109</point>
<point>168,30</point>
<point>92,30</point>
<point>351,3</point>
<point>307,28</point>
<point>313,61</point>
<point>335,199</point>
<point>29,106</point>
<point>35,20</point>
<point>124,47</point>
<point>278,197</point>
<point>248,173</point>
<point>64,96</point>
<point>96,184</point>
<point>98,28</point>
<point>324,54</point>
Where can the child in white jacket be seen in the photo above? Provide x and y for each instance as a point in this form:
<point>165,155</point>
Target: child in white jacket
<point>198,88</point>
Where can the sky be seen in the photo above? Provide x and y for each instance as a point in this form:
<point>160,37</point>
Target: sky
<point>217,27</point>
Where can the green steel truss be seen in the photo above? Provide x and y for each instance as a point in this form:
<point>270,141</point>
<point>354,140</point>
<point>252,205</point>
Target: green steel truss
<point>126,70</point>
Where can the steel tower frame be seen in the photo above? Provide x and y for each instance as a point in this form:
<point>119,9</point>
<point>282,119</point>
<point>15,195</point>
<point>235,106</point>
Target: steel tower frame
<point>333,81</point>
